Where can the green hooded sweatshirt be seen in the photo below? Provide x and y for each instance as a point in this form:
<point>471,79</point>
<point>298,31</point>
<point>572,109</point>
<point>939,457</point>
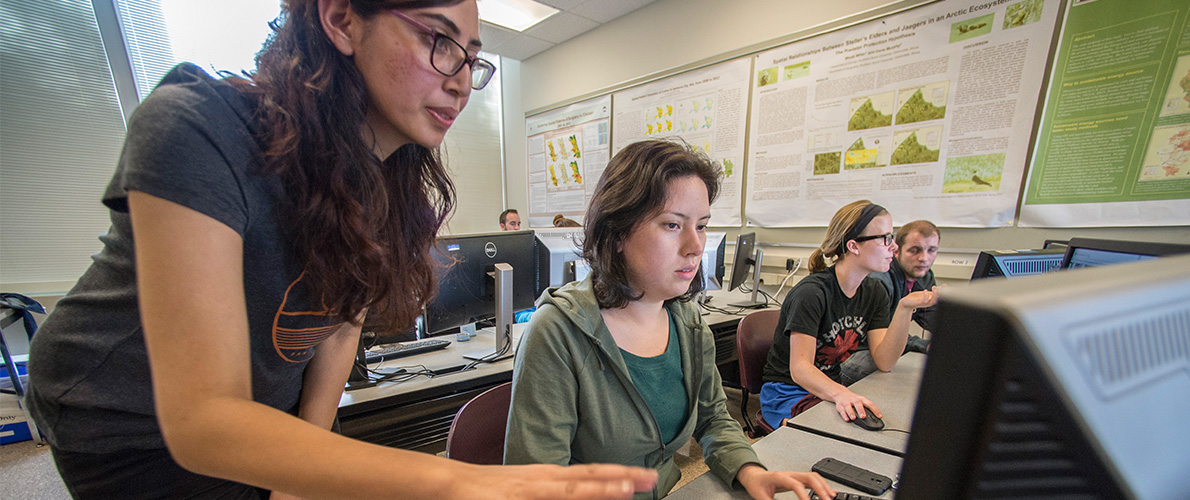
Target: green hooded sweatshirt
<point>573,401</point>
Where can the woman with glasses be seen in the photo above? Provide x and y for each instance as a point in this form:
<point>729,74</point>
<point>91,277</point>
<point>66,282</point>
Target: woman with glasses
<point>205,357</point>
<point>831,312</point>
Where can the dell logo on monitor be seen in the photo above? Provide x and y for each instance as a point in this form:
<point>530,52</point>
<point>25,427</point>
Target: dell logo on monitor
<point>490,250</point>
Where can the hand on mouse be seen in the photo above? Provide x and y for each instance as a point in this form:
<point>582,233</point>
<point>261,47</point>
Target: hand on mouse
<point>851,406</point>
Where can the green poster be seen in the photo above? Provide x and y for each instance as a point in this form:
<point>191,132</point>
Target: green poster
<point>1116,126</point>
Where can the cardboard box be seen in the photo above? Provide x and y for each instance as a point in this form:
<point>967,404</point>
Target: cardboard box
<point>13,426</point>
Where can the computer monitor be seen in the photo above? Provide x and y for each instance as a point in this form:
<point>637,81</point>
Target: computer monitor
<point>713,265</point>
<point>557,250</point>
<point>467,287</point>
<point>1061,385</point>
<point>1091,252</point>
<point>747,256</point>
<point>1014,263</point>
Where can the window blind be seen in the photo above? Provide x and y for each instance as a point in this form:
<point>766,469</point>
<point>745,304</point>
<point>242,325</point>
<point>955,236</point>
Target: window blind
<point>60,135</point>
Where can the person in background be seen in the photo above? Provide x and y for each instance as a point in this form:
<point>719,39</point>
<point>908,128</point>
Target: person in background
<point>917,247</point>
<point>510,220</point>
<point>834,310</point>
<point>561,221</point>
<point>256,222</point>
<point>620,367</point>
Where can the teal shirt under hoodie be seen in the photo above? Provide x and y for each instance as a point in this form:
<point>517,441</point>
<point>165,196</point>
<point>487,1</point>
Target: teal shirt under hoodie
<point>573,401</point>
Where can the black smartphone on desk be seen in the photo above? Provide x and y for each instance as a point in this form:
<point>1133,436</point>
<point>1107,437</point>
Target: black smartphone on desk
<point>850,475</point>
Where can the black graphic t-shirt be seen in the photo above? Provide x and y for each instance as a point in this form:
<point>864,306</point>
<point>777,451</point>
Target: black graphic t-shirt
<point>816,306</point>
<point>190,142</point>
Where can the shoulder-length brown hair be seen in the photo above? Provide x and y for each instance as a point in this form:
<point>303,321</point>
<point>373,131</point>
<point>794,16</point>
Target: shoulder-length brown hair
<point>363,227</point>
<point>633,189</point>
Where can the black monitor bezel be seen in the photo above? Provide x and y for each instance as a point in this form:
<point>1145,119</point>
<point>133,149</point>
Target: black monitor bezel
<point>1146,248</point>
<point>446,311</point>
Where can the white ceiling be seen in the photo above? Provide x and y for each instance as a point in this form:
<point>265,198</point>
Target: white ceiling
<point>576,17</point>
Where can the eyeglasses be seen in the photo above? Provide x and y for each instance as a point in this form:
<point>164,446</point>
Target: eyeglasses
<point>448,56</point>
<point>887,237</point>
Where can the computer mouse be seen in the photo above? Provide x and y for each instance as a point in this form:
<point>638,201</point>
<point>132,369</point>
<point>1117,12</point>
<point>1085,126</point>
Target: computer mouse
<point>870,422</point>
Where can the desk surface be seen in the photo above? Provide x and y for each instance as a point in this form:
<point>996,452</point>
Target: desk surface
<point>895,392</point>
<point>392,392</point>
<point>796,450</point>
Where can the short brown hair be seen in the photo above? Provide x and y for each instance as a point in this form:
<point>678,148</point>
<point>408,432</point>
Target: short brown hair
<point>634,188</point>
<point>923,227</point>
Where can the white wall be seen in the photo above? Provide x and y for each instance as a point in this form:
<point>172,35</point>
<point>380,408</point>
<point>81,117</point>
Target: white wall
<point>669,34</point>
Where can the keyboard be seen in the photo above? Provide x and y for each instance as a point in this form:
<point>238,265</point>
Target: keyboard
<point>401,350</point>
<point>845,496</point>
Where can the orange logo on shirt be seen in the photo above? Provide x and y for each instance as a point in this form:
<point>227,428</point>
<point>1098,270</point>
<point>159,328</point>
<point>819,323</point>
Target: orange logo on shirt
<point>295,333</point>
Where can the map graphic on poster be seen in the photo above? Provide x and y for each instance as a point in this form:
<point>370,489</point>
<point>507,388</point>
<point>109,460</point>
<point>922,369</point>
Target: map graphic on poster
<point>568,149</point>
<point>927,112</point>
<point>706,108</point>
<point>1113,144</point>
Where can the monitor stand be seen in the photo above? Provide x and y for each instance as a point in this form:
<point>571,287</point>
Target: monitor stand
<point>504,319</point>
<point>754,303</point>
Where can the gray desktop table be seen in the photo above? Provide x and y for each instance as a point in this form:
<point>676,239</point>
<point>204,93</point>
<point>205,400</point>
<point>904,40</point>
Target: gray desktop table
<point>416,414</point>
<point>796,450</point>
<point>895,392</point>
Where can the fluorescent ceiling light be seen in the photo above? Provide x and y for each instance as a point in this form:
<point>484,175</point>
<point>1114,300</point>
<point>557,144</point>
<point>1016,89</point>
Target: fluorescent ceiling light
<point>516,15</point>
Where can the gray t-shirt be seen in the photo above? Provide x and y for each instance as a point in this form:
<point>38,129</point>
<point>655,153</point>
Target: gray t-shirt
<point>189,142</point>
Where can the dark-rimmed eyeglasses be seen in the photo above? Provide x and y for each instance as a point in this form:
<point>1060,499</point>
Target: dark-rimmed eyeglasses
<point>887,237</point>
<point>448,57</point>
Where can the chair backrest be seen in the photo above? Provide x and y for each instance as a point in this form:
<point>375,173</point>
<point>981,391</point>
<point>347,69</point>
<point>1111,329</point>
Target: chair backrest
<point>477,432</point>
<point>753,338</point>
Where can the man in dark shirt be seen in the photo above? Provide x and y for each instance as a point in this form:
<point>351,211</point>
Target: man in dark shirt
<point>917,247</point>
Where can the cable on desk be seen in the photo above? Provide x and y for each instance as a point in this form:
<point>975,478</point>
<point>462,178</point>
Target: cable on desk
<point>739,311</point>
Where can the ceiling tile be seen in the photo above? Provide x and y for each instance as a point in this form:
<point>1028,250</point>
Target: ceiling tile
<point>605,10</point>
<point>561,27</point>
<point>564,4</point>
<point>523,47</point>
<point>493,36</point>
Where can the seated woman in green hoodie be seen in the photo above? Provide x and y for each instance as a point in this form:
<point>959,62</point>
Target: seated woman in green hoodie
<point>620,368</point>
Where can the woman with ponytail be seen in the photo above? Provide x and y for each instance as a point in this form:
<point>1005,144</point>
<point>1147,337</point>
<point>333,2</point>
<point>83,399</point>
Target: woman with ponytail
<point>205,357</point>
<point>833,311</point>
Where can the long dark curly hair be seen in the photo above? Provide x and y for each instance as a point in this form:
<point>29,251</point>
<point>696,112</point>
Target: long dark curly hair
<point>363,227</point>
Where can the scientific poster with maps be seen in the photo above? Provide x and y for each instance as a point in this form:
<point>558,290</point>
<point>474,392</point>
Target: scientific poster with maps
<point>706,108</point>
<point>568,149</point>
<point>927,112</point>
<point>1113,148</point>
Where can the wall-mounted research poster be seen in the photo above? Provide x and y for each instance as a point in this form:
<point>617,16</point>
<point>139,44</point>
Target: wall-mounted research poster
<point>568,149</point>
<point>927,112</point>
<point>1113,147</point>
<point>706,108</point>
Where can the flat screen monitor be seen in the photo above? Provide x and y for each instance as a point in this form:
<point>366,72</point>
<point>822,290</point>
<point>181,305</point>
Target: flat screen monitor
<point>1091,252</point>
<point>1061,385</point>
<point>466,287</point>
<point>747,256</point>
<point>1014,263</point>
<point>745,245</point>
<point>713,265</point>
<point>557,250</point>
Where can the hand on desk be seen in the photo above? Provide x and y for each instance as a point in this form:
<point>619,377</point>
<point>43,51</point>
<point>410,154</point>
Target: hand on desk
<point>762,484</point>
<point>550,482</point>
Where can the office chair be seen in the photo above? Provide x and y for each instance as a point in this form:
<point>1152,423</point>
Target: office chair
<point>753,338</point>
<point>477,432</point>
